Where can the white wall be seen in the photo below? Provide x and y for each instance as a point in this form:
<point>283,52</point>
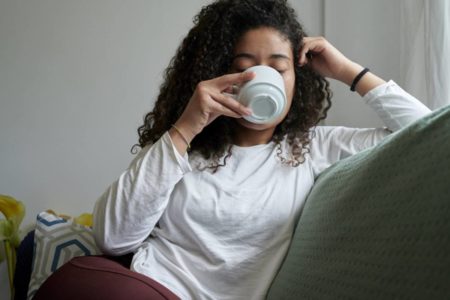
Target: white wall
<point>76,78</point>
<point>367,32</point>
<point>310,14</point>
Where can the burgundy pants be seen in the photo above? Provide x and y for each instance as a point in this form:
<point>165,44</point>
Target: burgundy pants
<point>98,277</point>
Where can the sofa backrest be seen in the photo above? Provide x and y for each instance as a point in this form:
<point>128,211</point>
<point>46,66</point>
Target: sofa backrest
<point>377,225</point>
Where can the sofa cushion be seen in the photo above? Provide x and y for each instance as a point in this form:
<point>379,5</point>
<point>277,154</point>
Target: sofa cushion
<point>377,225</point>
<point>56,241</point>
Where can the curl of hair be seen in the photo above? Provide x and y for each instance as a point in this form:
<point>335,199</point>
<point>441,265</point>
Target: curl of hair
<point>207,52</point>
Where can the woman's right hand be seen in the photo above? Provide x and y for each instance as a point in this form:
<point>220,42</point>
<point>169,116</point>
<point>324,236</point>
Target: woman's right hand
<point>209,102</point>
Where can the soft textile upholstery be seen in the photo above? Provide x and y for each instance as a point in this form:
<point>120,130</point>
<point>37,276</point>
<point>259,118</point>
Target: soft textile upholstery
<point>95,277</point>
<point>56,241</point>
<point>377,225</point>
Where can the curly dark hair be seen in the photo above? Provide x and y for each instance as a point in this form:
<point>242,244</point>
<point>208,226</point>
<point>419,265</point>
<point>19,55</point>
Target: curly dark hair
<point>207,52</point>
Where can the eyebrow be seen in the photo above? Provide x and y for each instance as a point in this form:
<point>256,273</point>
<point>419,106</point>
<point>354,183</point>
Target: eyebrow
<point>250,56</point>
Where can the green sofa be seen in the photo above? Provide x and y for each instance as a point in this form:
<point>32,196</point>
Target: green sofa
<point>377,225</point>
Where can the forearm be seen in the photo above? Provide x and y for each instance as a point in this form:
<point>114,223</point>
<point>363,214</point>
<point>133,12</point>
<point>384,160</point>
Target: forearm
<point>128,210</point>
<point>395,107</point>
<point>368,82</point>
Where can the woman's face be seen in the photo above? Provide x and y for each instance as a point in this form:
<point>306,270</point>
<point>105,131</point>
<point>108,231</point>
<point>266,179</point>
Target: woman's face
<point>266,46</point>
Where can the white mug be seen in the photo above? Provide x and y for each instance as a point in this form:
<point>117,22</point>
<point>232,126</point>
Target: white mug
<point>265,95</point>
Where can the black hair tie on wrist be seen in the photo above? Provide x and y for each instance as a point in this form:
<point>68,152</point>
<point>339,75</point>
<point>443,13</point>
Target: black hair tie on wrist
<point>358,78</point>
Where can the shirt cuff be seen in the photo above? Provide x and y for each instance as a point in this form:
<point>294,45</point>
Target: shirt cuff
<point>183,161</point>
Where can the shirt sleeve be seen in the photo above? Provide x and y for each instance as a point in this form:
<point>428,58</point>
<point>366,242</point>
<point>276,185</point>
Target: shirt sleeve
<point>129,209</point>
<point>395,107</point>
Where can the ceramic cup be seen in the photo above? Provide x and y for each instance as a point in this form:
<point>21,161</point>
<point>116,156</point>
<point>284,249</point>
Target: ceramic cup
<point>265,95</point>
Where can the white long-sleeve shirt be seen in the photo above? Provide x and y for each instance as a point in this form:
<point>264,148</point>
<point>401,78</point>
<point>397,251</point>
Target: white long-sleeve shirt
<point>223,235</point>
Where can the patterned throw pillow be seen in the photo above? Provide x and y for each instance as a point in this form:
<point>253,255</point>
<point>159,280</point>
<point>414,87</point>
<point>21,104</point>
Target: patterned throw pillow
<point>56,241</point>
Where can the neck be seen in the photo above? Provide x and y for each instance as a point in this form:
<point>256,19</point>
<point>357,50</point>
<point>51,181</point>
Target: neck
<point>246,137</point>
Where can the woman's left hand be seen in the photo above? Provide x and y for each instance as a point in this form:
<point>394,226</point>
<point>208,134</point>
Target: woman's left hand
<point>326,60</point>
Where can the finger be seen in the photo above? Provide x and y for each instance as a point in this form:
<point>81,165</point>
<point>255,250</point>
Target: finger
<point>310,46</point>
<point>228,80</point>
<point>233,89</point>
<point>228,112</point>
<point>219,109</point>
<point>305,48</point>
<point>306,53</point>
<point>232,104</point>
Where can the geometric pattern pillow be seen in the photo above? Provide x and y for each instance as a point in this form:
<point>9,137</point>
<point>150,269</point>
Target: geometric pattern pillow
<point>56,241</point>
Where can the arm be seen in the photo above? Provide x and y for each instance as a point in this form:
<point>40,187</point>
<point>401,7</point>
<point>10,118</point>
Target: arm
<point>392,104</point>
<point>395,107</point>
<point>128,210</point>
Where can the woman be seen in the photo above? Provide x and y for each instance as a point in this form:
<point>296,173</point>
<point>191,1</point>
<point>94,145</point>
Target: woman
<point>209,204</point>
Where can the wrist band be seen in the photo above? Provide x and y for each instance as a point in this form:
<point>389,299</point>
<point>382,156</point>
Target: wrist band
<point>182,136</point>
<point>358,78</point>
